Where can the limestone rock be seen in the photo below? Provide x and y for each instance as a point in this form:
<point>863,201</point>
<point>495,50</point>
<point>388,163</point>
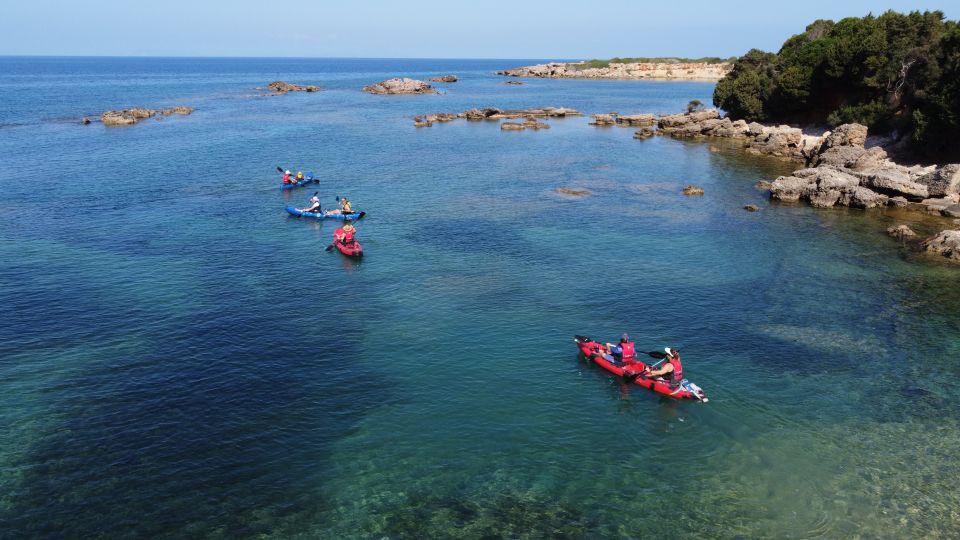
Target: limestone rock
<point>445,79</point>
<point>481,114</point>
<point>512,126</point>
<point>861,197</point>
<point>790,188</point>
<point>692,190</point>
<point>644,133</point>
<point>638,120</point>
<point>400,86</point>
<point>942,181</point>
<point>946,243</point>
<point>603,120</point>
<point>952,211</point>
<point>898,202</point>
<point>751,208</point>
<point>901,232</point>
<point>896,181</point>
<point>763,184</point>
<point>127,117</point>
<point>281,87</point>
<point>846,135</point>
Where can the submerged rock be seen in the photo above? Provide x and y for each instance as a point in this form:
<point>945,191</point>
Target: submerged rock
<point>512,126</point>
<point>901,232</point>
<point>603,120</point>
<point>751,208</point>
<point>400,86</point>
<point>573,192</point>
<point>763,184</point>
<point>517,83</point>
<point>692,190</point>
<point>445,79</point>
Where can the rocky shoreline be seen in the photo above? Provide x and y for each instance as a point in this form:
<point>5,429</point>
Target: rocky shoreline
<point>693,71</point>
<point>278,88</point>
<point>842,167</point>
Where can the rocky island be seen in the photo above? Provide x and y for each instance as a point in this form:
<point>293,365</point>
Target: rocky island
<point>279,87</point>
<point>493,113</point>
<point>668,71</point>
<point>128,117</point>
<point>400,86</point>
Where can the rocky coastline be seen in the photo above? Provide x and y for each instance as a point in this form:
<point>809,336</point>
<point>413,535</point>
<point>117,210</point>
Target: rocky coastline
<point>128,117</point>
<point>842,167</point>
<point>677,71</point>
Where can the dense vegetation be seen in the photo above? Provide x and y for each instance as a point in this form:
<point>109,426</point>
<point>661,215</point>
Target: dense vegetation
<point>896,73</point>
<point>654,60</point>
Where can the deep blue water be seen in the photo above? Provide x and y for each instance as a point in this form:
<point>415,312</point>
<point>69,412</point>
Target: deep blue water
<point>179,358</point>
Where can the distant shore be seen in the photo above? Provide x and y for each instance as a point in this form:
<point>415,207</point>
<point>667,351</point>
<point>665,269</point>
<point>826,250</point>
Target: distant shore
<point>664,71</point>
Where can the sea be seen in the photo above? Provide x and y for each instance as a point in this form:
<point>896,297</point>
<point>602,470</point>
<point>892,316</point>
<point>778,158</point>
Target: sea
<point>180,358</point>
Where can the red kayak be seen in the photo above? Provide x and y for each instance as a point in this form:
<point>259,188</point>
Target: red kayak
<point>353,249</point>
<point>633,370</point>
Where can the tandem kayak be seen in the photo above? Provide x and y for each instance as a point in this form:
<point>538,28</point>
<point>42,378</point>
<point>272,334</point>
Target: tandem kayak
<point>353,216</point>
<point>633,369</point>
<point>306,180</point>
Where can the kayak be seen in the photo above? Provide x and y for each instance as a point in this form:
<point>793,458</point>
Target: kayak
<point>350,250</point>
<point>353,216</point>
<point>306,180</point>
<point>633,369</point>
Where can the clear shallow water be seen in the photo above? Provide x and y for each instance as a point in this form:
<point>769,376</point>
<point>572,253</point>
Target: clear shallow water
<point>180,358</point>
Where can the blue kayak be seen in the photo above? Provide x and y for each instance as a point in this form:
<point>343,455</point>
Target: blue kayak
<point>353,216</point>
<point>306,180</point>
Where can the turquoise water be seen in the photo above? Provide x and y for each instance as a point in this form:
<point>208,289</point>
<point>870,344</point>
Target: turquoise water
<point>179,358</point>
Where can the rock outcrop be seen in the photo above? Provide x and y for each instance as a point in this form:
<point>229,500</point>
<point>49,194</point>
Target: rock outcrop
<point>694,71</point>
<point>280,87</point>
<point>400,86</point>
<point>128,117</point>
<point>901,232</point>
<point>529,123</point>
<point>492,113</point>
<point>445,79</point>
<point>946,244</point>
<point>692,190</point>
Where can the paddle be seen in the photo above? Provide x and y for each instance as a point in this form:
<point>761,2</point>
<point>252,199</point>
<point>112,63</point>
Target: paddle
<point>655,354</point>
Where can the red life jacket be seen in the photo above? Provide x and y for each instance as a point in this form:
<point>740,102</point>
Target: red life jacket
<point>627,351</point>
<point>347,235</point>
<point>677,373</point>
<point>286,178</point>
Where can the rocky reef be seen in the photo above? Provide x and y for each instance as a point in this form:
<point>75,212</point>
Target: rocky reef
<point>691,71</point>
<point>623,120</point>
<point>128,117</point>
<point>400,86</point>
<point>445,79</point>
<point>279,87</point>
<point>493,113</point>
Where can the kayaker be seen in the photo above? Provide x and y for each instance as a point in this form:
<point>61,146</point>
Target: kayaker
<point>625,349</point>
<point>314,204</point>
<point>344,234</point>
<point>286,177</point>
<point>345,207</point>
<point>672,369</point>
<point>299,176</point>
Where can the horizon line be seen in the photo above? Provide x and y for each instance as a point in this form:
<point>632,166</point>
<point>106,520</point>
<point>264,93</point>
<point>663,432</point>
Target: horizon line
<point>287,57</point>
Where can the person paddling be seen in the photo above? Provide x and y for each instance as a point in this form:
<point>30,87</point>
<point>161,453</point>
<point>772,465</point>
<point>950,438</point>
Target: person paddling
<point>286,177</point>
<point>314,204</point>
<point>344,235</point>
<point>299,176</point>
<point>625,349</point>
<point>672,369</point>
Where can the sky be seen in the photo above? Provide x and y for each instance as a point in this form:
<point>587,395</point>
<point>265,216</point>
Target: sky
<point>523,29</point>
